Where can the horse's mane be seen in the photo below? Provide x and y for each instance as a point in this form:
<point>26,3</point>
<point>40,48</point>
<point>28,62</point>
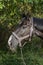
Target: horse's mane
<point>38,23</point>
<point>38,20</point>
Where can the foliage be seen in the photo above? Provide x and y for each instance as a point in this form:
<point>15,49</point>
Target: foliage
<point>10,14</point>
<point>12,10</point>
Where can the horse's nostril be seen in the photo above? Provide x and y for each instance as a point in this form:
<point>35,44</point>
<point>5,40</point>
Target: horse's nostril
<point>11,44</point>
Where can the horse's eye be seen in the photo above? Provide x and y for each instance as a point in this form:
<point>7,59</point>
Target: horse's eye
<point>24,26</point>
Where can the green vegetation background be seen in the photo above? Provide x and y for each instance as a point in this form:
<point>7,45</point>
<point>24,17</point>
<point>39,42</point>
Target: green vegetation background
<point>10,14</point>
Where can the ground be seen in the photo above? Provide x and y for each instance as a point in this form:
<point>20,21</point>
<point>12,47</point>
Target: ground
<point>32,51</point>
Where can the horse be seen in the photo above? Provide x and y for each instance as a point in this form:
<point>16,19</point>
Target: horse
<point>28,27</point>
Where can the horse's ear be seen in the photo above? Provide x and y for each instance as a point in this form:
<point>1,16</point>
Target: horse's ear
<point>28,15</point>
<point>23,15</point>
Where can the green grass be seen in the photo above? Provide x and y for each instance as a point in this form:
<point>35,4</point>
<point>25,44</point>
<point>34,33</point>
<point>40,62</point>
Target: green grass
<point>32,51</point>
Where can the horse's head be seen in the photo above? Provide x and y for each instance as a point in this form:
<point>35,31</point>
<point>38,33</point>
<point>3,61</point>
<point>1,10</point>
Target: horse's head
<point>22,30</point>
